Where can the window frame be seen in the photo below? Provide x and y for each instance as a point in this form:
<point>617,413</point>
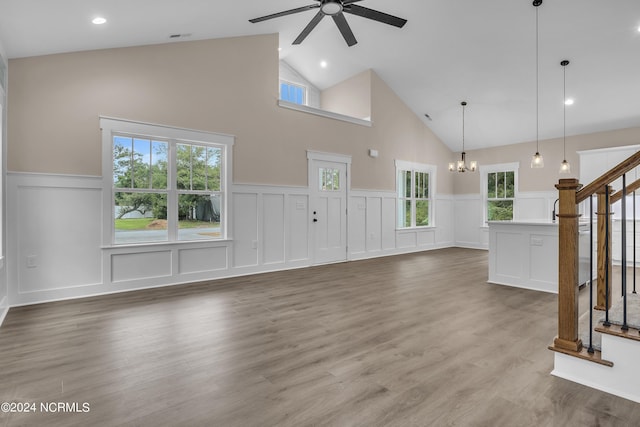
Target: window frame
<point>111,127</point>
<point>485,170</point>
<point>413,167</point>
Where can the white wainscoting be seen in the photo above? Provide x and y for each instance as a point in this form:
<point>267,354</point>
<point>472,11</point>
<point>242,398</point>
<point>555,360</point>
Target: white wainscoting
<point>372,226</point>
<point>470,231</point>
<point>53,237</point>
<point>55,245</point>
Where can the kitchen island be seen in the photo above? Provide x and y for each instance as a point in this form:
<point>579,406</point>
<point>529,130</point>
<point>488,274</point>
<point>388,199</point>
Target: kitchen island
<point>524,254</point>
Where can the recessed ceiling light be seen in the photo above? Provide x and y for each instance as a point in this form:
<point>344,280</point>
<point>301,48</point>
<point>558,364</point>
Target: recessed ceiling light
<point>569,101</point>
<point>323,64</point>
<point>99,20</point>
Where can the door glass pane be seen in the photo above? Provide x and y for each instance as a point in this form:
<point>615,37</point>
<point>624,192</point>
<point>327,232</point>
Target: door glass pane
<point>336,179</point>
<point>328,179</point>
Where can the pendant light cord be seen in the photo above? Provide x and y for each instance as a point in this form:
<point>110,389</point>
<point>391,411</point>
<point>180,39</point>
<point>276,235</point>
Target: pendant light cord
<point>564,112</point>
<point>537,89</point>
<point>463,128</point>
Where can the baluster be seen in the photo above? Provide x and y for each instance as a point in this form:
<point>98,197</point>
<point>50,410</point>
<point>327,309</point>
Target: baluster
<point>590,349</point>
<point>634,241</point>
<point>607,209</point>
<point>624,253</point>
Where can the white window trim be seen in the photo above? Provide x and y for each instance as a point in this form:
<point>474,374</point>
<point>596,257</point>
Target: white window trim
<point>498,167</point>
<point>110,126</point>
<point>432,170</point>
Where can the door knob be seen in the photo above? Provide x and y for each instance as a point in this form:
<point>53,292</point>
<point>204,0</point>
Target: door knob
<point>315,219</point>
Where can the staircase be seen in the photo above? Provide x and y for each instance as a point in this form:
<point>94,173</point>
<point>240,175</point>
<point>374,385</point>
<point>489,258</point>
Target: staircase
<point>601,347</point>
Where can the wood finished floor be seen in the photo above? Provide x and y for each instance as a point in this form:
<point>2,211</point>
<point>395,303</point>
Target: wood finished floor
<point>411,340</point>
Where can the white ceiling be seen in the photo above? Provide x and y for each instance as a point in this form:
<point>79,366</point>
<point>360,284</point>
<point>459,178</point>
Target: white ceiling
<point>482,52</point>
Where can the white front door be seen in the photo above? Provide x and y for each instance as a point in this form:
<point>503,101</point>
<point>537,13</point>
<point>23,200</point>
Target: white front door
<point>328,211</point>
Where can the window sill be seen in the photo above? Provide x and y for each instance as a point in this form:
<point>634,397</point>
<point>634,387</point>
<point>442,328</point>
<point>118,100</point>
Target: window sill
<point>324,113</point>
<point>161,244</point>
<point>411,229</point>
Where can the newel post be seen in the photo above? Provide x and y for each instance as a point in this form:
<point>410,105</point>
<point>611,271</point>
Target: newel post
<point>568,266</point>
<point>603,259</point>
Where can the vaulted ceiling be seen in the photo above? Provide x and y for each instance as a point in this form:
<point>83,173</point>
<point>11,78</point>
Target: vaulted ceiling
<point>482,52</point>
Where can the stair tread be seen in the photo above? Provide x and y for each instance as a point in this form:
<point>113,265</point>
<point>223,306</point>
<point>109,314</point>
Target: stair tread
<point>595,357</point>
<point>632,333</point>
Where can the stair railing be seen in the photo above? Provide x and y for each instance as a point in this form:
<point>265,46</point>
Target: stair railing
<point>571,194</point>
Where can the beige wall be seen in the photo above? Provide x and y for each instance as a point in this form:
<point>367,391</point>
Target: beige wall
<point>224,85</point>
<point>542,179</point>
<point>351,97</point>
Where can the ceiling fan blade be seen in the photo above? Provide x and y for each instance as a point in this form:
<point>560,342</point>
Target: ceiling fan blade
<point>344,28</point>
<point>310,26</point>
<point>285,13</point>
<point>346,2</point>
<point>354,9</point>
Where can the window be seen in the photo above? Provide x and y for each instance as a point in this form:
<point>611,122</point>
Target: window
<point>293,93</point>
<point>414,183</point>
<point>165,188</point>
<point>329,179</point>
<point>500,185</point>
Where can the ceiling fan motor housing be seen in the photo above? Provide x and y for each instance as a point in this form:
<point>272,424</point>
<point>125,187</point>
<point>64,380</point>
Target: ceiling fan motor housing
<point>331,7</point>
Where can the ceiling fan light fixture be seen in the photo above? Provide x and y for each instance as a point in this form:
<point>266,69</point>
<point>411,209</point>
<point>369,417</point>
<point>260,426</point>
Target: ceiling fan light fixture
<point>331,7</point>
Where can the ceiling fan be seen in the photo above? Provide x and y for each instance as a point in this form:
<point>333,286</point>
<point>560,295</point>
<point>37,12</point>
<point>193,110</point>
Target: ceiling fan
<point>336,9</point>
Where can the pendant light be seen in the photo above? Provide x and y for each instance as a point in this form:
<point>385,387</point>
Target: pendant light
<point>461,165</point>
<point>537,161</point>
<point>565,167</point>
